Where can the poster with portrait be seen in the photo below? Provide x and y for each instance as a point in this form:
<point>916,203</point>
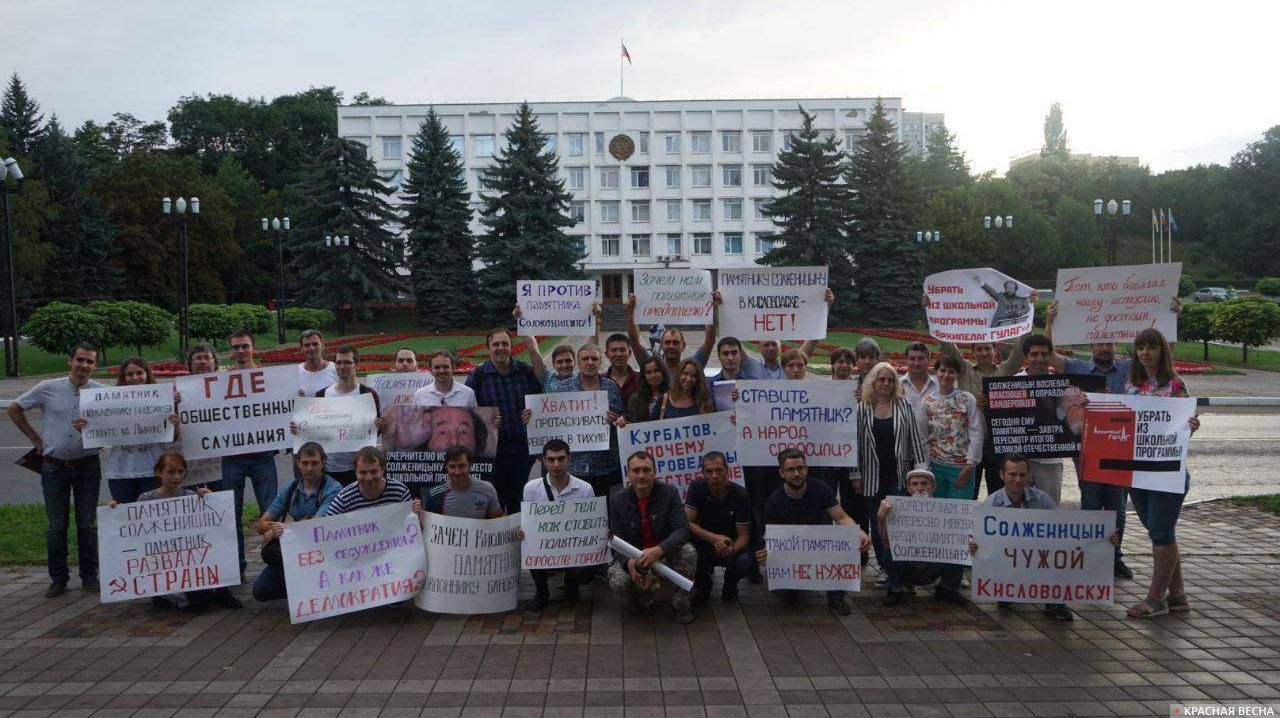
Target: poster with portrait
<point>1039,416</point>
<point>416,438</point>
<point>977,305</point>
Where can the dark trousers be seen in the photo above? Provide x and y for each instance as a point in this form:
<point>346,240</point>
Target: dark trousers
<point>61,486</point>
<point>261,470</point>
<point>126,491</point>
<point>761,482</point>
<point>736,566</point>
<point>510,474</point>
<point>270,585</point>
<point>873,526</point>
<point>903,574</point>
<point>1095,496</point>
<point>573,577</point>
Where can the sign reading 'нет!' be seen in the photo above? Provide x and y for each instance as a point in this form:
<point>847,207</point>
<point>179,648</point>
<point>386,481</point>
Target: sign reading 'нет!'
<point>774,303</point>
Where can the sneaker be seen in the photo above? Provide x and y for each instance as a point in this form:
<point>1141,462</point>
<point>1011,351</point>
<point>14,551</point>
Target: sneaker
<point>729,592</point>
<point>223,598</point>
<point>538,602</point>
<point>56,588</point>
<point>1123,571</point>
<point>892,598</point>
<point>684,616</point>
<point>89,584</point>
<point>950,595</point>
<point>964,583</point>
<point>698,596</point>
<point>790,597</point>
<point>882,581</point>
<point>839,606</point>
<point>162,603</point>
<point>570,594</point>
<point>1059,611</point>
<point>1005,605</point>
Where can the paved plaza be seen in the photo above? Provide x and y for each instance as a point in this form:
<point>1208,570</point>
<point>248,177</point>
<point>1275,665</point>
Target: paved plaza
<point>72,656</point>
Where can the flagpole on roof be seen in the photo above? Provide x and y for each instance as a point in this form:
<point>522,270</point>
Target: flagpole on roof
<point>621,87</point>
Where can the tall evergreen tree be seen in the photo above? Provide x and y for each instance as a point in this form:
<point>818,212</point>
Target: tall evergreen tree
<point>813,213</point>
<point>19,116</point>
<point>524,208</point>
<point>344,197</point>
<point>1055,134</point>
<point>253,278</point>
<point>437,219</point>
<point>944,166</point>
<point>81,233</point>
<point>887,259</point>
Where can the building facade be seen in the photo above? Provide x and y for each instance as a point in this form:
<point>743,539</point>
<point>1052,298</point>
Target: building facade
<point>654,183</point>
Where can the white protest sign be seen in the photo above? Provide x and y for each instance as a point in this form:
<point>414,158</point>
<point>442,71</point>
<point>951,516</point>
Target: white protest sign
<point>352,561</point>
<point>473,565</point>
<point>126,415</point>
<point>812,558</point>
<point>774,303</point>
<point>578,417</point>
<point>677,446</point>
<point>154,548</point>
<point>673,296</point>
<point>1042,556</point>
<point>1113,304</point>
<point>237,412</point>
<point>398,389</point>
<point>722,394</point>
<point>201,471</point>
<point>1138,441</point>
<point>339,423</point>
<point>977,305</point>
<point>805,415</point>
<point>556,306</point>
<point>922,528</point>
<point>564,534</point>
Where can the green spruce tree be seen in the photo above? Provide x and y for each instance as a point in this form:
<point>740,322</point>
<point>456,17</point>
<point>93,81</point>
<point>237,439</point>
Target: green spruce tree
<point>524,207</point>
<point>813,213</point>
<point>81,232</point>
<point>437,219</point>
<point>887,260</point>
<point>344,198</point>
<point>944,166</point>
<point>19,116</point>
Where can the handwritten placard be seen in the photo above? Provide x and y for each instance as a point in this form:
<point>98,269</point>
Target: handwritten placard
<point>126,415</point>
<point>237,412</point>
<point>397,389</point>
<point>339,423</point>
<point>977,305</point>
<point>678,445</point>
<point>774,303</point>
<point>805,415</point>
<point>578,417</point>
<point>673,296</point>
<point>1113,304</point>
<point>154,548</point>
<point>564,534</point>
<point>812,558</point>
<point>922,528</point>
<point>473,565</point>
<point>564,306</point>
<point>1042,556</point>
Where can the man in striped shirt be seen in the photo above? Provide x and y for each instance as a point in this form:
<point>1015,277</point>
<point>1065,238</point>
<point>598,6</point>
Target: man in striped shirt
<point>371,488</point>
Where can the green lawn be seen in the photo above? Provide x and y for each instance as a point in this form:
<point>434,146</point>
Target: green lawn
<point>1267,359</point>
<point>1266,502</point>
<point>22,541</point>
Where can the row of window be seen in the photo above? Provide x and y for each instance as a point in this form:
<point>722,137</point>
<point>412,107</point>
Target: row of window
<point>642,245</point>
<point>641,210</point>
<point>641,177</point>
<point>575,143</point>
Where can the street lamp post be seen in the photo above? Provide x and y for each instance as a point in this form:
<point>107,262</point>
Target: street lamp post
<point>998,223</point>
<point>12,367</point>
<point>924,238</point>
<point>179,208</point>
<point>1112,207</point>
<point>341,243</point>
<point>278,227</point>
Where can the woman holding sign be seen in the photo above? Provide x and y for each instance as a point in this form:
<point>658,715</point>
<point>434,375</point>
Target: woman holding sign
<point>955,432</point>
<point>689,395</point>
<point>1152,374</point>
<point>129,469</point>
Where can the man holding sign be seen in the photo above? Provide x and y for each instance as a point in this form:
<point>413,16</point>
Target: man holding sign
<point>904,574</point>
<point>341,464</point>
<point>557,486</point>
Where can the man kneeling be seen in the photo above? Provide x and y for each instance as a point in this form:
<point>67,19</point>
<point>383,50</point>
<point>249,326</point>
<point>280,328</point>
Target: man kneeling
<point>719,514</point>
<point>908,574</point>
<point>650,516</point>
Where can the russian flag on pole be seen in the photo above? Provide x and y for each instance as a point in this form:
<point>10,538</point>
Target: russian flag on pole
<point>626,54</point>
<point>1137,441</point>
<point>1173,223</point>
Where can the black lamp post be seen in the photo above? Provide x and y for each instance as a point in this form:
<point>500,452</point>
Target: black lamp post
<point>340,243</point>
<point>278,227</point>
<point>179,208</point>
<point>997,223</point>
<point>924,239</point>
<point>9,324</point>
<point>1114,211</point>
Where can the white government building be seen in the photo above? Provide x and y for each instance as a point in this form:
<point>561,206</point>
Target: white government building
<point>659,183</point>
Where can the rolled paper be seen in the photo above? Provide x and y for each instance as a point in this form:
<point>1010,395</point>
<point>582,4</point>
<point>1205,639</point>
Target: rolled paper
<point>659,567</point>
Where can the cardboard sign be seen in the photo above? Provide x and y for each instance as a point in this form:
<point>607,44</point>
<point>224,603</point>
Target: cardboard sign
<point>1113,304</point>
<point>930,530</point>
<point>339,424</point>
<point>1138,441</point>
<point>564,534</point>
<point>473,565</point>
<point>579,417</point>
<point>352,561</point>
<point>812,558</point>
<point>155,548</point>
<point>977,305</point>
<point>774,303</point>
<point>126,415</point>
<point>556,306</point>
<point>673,296</point>
<point>678,445</point>
<point>416,438</point>
<point>806,415</point>
<point>722,394</point>
<point>398,389</point>
<point>237,412</point>
<point>1039,416</point>
<point>1039,556</point>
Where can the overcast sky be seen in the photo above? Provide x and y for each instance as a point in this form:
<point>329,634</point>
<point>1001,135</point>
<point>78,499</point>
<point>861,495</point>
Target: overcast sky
<point>1175,83</point>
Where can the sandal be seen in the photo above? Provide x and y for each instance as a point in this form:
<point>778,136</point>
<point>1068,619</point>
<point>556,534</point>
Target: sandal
<point>1177,604</point>
<point>1148,608</point>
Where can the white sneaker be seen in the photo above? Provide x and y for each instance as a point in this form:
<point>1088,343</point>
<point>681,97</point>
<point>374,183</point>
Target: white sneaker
<point>882,582</point>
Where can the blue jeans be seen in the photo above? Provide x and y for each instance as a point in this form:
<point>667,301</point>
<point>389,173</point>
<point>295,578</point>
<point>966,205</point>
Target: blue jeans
<point>736,566</point>
<point>126,491</point>
<point>261,470</point>
<point>61,486</point>
<point>1108,497</point>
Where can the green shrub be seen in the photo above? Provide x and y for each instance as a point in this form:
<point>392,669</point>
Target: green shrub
<point>58,326</point>
<point>1268,286</point>
<point>1247,321</point>
<point>307,318</point>
<point>250,317</point>
<point>211,322</point>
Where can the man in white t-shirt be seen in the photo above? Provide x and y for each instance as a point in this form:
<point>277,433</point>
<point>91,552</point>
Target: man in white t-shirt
<point>315,373</point>
<point>341,464</point>
<point>557,485</point>
<point>444,391</point>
